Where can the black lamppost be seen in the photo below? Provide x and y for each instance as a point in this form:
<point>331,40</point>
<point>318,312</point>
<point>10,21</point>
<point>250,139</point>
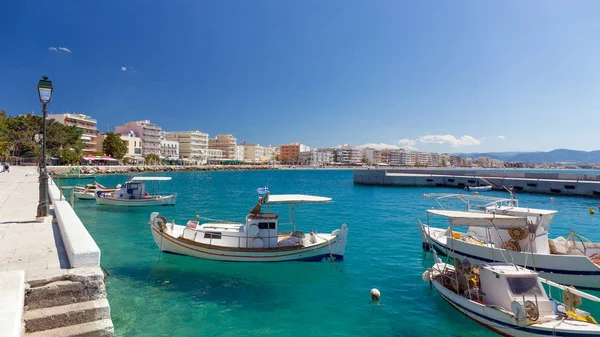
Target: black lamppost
<point>45,91</point>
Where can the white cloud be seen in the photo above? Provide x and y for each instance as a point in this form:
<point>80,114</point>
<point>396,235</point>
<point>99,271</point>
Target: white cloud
<point>59,50</point>
<point>378,146</point>
<point>450,140</point>
<point>500,137</point>
<point>123,68</point>
<point>407,144</point>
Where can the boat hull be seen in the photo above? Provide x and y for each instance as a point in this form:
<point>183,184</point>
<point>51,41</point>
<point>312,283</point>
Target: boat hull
<point>333,249</point>
<point>158,201</point>
<point>84,196</point>
<point>75,176</point>
<point>479,188</point>
<point>575,270</point>
<point>504,324</point>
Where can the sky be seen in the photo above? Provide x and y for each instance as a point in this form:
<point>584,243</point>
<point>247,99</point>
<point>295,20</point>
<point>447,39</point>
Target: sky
<point>443,76</point>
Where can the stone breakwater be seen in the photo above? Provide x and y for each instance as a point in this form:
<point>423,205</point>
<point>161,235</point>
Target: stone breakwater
<point>159,168</point>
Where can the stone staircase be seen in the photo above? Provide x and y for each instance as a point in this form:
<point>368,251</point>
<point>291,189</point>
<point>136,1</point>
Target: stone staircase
<point>73,305</point>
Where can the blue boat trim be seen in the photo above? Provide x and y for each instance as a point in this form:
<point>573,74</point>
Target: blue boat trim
<point>442,250</point>
<point>521,328</point>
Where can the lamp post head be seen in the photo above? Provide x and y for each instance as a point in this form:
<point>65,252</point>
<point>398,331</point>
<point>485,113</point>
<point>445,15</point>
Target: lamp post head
<point>45,89</point>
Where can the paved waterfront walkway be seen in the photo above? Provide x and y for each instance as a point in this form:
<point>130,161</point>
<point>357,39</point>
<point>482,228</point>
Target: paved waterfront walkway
<point>26,244</point>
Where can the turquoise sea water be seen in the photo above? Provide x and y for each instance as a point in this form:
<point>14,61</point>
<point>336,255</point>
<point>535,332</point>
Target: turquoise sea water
<point>154,294</point>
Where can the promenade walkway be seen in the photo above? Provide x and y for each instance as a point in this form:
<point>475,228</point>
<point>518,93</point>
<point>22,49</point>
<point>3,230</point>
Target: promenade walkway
<point>36,248</point>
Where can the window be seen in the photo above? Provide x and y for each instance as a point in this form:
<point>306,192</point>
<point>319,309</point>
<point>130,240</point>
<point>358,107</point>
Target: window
<point>212,235</point>
<point>266,225</point>
<point>524,285</point>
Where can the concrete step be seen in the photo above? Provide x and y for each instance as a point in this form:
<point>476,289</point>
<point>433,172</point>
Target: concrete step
<point>102,328</point>
<point>66,315</point>
<point>63,292</point>
<point>12,292</point>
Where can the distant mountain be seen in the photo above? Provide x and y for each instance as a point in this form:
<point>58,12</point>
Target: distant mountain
<point>554,156</point>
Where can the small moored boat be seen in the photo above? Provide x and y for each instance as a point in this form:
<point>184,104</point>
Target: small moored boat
<point>479,188</point>
<point>74,173</point>
<point>134,194</point>
<point>256,240</point>
<point>511,300</point>
<point>88,192</point>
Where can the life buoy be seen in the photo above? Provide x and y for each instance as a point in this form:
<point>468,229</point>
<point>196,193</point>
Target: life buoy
<point>517,233</point>
<point>511,245</point>
<point>257,243</point>
<point>160,222</point>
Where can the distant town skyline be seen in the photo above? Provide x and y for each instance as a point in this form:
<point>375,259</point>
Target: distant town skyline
<point>467,77</point>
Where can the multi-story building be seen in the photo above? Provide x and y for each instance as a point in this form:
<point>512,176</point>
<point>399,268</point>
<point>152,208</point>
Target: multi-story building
<point>289,153</point>
<point>84,123</point>
<point>434,159</point>
<point>346,155</point>
<point>372,156</point>
<point>422,158</point>
<point>270,153</point>
<point>252,153</point>
<point>316,157</point>
<point>408,159</point>
<point>134,145</point>
<point>239,152</point>
<point>225,143</point>
<point>214,156</point>
<point>169,149</point>
<point>148,132</point>
<point>193,145</point>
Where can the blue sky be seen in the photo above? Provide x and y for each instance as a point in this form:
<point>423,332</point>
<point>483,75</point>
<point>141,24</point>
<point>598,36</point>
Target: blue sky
<point>447,76</point>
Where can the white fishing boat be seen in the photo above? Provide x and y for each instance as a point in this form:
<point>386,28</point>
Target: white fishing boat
<point>479,188</point>
<point>257,239</point>
<point>134,194</point>
<point>88,191</point>
<point>511,300</point>
<point>499,228</point>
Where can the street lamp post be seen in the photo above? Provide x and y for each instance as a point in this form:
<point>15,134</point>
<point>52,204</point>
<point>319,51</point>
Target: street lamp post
<point>45,92</point>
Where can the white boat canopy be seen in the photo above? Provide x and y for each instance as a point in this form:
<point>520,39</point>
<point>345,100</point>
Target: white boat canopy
<point>475,219</point>
<point>150,178</point>
<point>296,199</point>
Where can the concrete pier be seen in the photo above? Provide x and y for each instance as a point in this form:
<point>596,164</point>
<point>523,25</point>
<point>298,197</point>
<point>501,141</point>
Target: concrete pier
<point>549,183</point>
<point>58,297</point>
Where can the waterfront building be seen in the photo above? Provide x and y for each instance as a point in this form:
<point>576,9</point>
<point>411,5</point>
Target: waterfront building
<point>193,145</point>
<point>226,143</point>
<point>434,159</point>
<point>317,157</point>
<point>169,149</point>
<point>134,145</point>
<point>214,156</point>
<point>289,153</point>
<point>346,155</point>
<point>239,153</point>
<point>422,158</point>
<point>148,132</point>
<point>84,123</point>
<point>270,153</point>
<point>252,153</point>
<point>372,156</point>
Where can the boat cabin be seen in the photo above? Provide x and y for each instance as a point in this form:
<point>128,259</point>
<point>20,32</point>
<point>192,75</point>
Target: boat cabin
<point>260,229</point>
<point>502,284</point>
<point>135,188</point>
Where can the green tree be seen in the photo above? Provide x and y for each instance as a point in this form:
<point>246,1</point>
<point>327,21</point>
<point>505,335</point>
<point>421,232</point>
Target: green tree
<point>114,146</point>
<point>68,157</point>
<point>152,159</point>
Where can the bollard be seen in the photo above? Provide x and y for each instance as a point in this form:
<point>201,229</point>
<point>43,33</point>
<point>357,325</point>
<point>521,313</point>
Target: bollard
<point>72,196</point>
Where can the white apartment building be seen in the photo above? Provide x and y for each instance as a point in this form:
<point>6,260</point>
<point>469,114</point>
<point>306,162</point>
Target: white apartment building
<point>408,159</point>
<point>252,153</point>
<point>434,159</point>
<point>270,153</point>
<point>422,158</point>
<point>150,134</point>
<point>214,156</point>
<point>226,143</point>
<point>372,156</point>
<point>169,149</point>
<point>84,123</point>
<point>193,145</point>
<point>316,157</point>
<point>239,153</point>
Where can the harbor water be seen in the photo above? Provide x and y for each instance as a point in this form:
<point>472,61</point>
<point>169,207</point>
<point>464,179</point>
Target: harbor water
<point>158,294</point>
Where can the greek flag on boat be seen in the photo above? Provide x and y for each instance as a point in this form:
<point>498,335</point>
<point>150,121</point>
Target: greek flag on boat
<point>262,190</point>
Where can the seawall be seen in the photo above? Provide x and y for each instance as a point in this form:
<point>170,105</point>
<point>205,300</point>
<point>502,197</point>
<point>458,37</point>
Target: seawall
<point>531,182</point>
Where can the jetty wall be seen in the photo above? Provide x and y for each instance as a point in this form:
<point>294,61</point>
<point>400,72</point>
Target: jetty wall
<point>532,182</point>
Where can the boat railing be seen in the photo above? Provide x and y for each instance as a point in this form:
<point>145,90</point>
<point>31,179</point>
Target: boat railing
<point>213,235</point>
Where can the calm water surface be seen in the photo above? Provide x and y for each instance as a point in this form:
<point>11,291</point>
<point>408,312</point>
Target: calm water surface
<point>157,294</point>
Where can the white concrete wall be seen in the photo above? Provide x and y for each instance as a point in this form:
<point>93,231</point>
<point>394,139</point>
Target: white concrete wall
<point>82,250</point>
<point>12,298</point>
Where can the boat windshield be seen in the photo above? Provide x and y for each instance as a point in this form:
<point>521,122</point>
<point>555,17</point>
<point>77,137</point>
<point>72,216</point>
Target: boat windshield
<point>524,286</point>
